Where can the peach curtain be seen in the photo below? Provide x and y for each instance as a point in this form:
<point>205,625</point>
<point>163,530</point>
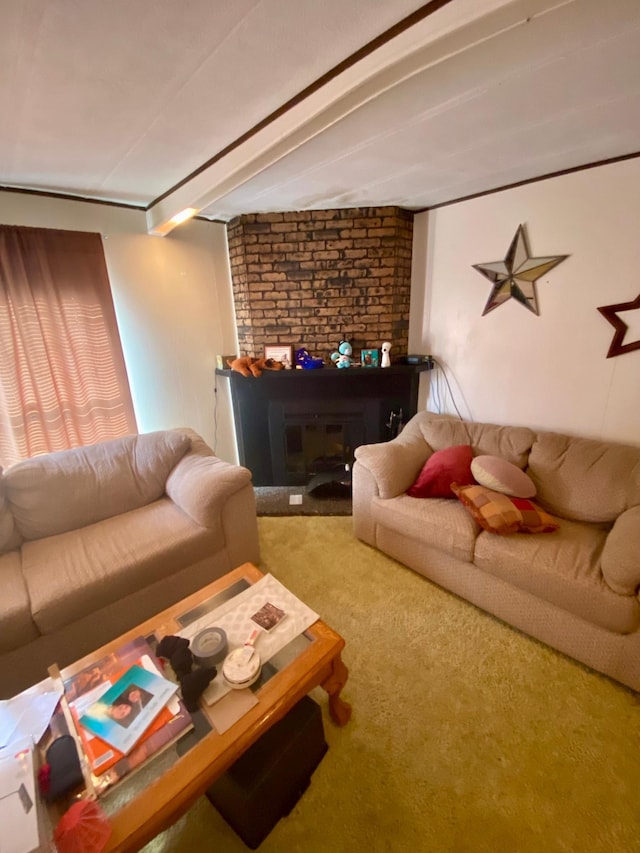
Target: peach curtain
<point>63,381</point>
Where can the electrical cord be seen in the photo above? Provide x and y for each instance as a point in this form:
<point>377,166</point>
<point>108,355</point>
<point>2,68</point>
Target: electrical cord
<point>215,411</point>
<point>453,399</point>
<point>435,391</point>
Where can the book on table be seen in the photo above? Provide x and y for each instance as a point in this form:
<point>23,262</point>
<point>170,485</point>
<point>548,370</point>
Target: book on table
<point>107,763</point>
<point>127,708</point>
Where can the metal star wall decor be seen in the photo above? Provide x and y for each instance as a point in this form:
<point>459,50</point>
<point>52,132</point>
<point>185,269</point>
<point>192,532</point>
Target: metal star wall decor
<point>517,274</point>
<point>609,312</point>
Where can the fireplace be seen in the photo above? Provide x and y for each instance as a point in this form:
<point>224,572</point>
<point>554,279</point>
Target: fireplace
<point>309,439</point>
<point>292,425</point>
<point>314,278</point>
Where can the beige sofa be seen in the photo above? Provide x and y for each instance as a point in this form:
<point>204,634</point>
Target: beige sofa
<point>576,589</point>
<point>96,539</point>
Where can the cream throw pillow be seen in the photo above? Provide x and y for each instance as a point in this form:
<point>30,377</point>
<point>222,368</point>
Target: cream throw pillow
<point>497,474</point>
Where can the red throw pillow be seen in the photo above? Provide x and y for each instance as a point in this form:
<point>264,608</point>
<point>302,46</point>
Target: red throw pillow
<point>450,465</point>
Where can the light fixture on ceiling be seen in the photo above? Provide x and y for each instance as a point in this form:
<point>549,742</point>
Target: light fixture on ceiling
<point>163,228</point>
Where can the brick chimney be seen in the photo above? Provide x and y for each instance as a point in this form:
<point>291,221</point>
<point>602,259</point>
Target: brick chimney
<point>313,278</point>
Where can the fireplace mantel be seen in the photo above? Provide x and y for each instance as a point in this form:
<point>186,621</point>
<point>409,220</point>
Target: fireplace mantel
<point>262,405</point>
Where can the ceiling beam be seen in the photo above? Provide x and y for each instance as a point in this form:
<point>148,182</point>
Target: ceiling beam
<point>431,40</point>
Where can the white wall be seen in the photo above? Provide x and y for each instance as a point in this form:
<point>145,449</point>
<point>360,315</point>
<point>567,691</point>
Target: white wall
<point>174,305</point>
<point>511,366</point>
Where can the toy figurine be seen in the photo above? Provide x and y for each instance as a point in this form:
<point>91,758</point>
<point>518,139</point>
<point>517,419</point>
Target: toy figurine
<point>248,366</point>
<point>386,358</point>
<point>342,358</point>
<point>305,361</point>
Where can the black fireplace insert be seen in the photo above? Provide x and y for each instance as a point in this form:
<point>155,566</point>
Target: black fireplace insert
<point>293,425</point>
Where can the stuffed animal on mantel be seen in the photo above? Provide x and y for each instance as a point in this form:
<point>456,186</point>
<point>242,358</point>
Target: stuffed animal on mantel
<point>342,358</point>
<point>247,366</point>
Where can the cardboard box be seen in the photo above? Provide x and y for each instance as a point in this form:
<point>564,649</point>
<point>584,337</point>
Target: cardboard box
<point>221,361</point>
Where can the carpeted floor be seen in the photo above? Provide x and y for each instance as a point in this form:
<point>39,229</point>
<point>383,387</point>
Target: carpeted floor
<point>466,736</point>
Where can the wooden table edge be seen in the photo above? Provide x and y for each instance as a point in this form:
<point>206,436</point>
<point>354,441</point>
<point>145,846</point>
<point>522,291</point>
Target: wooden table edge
<point>170,796</point>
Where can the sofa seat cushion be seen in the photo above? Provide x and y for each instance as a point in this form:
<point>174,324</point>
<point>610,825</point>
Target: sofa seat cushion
<point>76,573</point>
<point>563,569</point>
<point>16,625</point>
<point>68,489</point>
<point>441,523</point>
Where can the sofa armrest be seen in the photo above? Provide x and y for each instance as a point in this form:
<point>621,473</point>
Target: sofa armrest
<point>200,486</point>
<point>620,561</point>
<point>394,465</point>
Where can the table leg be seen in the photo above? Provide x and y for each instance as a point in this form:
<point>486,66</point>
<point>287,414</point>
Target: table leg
<point>339,709</point>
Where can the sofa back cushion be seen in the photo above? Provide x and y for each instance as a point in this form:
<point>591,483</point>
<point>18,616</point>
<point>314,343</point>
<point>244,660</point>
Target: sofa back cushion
<point>69,489</point>
<point>9,536</point>
<point>512,443</point>
<point>582,479</point>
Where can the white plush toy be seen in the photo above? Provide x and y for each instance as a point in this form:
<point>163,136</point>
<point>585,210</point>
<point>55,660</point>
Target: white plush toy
<point>386,358</point>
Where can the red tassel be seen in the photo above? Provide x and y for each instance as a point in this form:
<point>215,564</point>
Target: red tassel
<point>44,779</point>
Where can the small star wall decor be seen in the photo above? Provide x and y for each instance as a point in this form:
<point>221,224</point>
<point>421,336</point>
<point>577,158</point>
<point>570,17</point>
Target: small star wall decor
<point>610,313</point>
<point>516,275</point>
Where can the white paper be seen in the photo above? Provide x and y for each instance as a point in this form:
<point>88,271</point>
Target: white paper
<point>234,616</point>
<point>27,715</point>
<point>18,803</point>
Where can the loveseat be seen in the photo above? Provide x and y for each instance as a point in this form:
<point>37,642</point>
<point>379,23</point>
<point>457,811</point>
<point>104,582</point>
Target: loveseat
<point>575,589</point>
<point>96,539</point>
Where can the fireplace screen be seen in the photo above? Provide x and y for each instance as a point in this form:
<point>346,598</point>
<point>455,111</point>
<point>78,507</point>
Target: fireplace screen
<point>304,445</point>
<point>313,448</point>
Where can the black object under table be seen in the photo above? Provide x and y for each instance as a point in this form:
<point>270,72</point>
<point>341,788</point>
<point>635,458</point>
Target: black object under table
<point>269,779</point>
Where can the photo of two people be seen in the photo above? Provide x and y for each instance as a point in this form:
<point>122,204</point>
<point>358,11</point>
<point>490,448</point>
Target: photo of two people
<point>128,707</point>
<point>125,708</point>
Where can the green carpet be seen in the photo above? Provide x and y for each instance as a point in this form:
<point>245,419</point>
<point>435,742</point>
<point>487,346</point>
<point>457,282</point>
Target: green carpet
<point>465,736</point>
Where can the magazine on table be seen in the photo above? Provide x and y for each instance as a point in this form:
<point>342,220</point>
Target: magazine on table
<point>172,721</point>
<point>96,678</point>
<point>126,710</point>
<point>108,765</point>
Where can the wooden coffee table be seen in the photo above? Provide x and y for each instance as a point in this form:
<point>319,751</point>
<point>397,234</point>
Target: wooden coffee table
<point>155,797</point>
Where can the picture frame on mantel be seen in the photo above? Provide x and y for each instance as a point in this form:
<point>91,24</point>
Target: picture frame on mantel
<point>369,358</point>
<point>280,353</point>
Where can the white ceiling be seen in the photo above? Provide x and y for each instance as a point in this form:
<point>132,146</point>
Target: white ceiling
<point>123,101</point>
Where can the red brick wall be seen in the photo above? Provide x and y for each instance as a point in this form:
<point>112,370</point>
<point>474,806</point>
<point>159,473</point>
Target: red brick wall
<point>313,278</point>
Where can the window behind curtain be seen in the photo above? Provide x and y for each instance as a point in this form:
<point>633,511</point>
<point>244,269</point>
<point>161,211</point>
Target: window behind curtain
<point>63,381</point>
